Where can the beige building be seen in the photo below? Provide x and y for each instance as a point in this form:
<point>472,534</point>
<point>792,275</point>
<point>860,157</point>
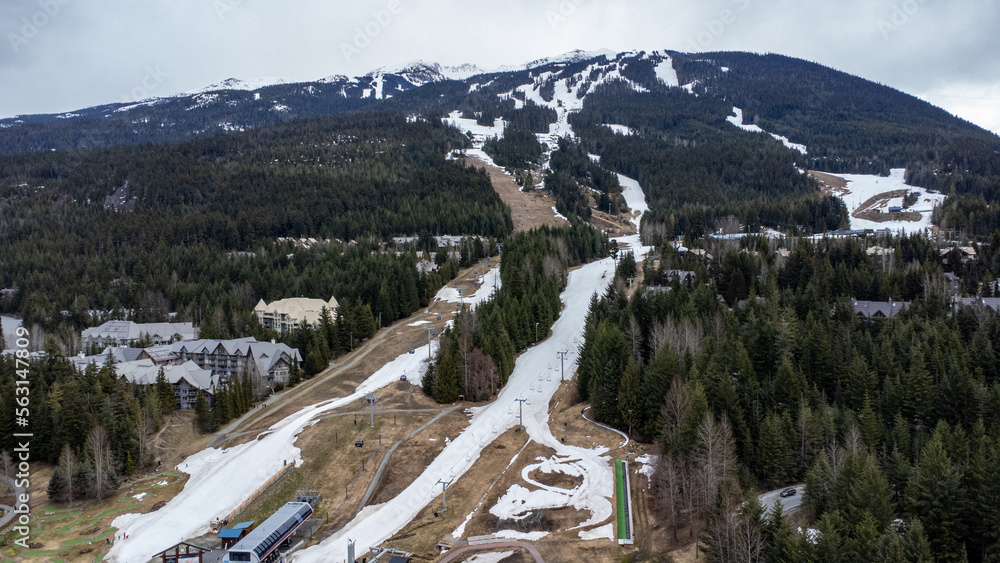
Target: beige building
<point>285,315</point>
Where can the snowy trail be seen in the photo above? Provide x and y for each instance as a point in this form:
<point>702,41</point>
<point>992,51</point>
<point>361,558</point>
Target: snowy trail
<point>535,378</point>
<point>222,479</point>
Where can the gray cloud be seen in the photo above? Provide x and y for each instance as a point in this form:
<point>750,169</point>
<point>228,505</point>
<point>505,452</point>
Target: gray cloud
<point>59,55</point>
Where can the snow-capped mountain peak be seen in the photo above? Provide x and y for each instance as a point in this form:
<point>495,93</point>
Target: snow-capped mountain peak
<point>574,56</point>
<point>238,84</point>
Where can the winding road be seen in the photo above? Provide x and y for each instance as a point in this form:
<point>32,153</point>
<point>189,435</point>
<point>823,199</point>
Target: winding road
<point>9,510</point>
<point>788,504</point>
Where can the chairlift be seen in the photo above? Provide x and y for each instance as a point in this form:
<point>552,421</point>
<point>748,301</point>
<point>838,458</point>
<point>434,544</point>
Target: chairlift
<point>359,443</point>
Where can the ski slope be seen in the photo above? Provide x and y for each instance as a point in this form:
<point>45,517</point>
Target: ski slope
<point>535,378</point>
<point>737,120</point>
<point>222,479</point>
<point>862,187</point>
<point>532,379</point>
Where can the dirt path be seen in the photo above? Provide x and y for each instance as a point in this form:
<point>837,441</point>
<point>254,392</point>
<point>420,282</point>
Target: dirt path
<point>528,210</point>
<point>454,554</point>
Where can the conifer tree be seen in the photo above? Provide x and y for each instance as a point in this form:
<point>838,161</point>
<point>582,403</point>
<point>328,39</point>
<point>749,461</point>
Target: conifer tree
<point>935,497</point>
<point>165,392</point>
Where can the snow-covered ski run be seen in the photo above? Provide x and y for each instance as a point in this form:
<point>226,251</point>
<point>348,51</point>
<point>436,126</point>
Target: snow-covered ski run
<point>536,378</point>
<point>221,479</point>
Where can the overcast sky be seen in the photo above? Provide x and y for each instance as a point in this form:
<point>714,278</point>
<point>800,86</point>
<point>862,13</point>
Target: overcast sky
<point>60,55</point>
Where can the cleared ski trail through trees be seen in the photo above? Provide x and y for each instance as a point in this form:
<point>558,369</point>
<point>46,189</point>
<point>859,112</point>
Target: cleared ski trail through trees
<point>535,378</point>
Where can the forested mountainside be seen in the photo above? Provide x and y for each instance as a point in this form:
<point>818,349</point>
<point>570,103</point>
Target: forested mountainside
<point>676,103</point>
<point>892,423</point>
<point>193,227</point>
<point>222,108</point>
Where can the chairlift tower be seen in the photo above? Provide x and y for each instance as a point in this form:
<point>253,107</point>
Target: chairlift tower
<point>371,400</point>
<point>444,491</point>
<point>520,412</point>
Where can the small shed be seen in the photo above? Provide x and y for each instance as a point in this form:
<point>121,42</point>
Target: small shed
<point>230,536</point>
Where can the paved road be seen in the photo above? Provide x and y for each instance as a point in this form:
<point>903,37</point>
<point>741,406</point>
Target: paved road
<point>788,504</point>
<point>457,552</point>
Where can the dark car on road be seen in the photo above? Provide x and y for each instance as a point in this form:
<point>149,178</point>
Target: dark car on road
<point>789,492</point>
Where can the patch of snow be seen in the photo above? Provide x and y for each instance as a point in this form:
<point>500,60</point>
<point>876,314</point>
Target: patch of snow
<point>812,534</point>
<point>149,102</point>
<point>237,84</point>
<point>379,80</point>
<point>222,479</point>
<point>10,325</point>
<point>737,120</point>
<point>666,73</point>
<point>862,187</point>
<point>635,198</point>
<point>490,283</point>
<point>559,215</point>
<point>518,502</point>
<point>575,56</point>
<point>647,464</point>
<point>202,100</point>
<point>621,129</point>
<point>494,557</point>
<point>605,532</point>
<point>418,323</point>
<point>480,133</point>
<point>515,535</point>
<point>140,496</point>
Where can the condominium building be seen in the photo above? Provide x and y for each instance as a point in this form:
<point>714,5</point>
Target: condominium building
<point>286,314</point>
<point>125,333</point>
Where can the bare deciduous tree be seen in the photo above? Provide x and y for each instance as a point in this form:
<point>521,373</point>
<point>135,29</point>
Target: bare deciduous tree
<point>668,486</point>
<point>634,335</point>
<point>678,403</point>
<point>99,450</point>
<point>482,378</point>
<point>67,469</point>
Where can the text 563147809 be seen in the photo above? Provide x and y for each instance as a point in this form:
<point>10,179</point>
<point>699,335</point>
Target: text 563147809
<point>22,439</point>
